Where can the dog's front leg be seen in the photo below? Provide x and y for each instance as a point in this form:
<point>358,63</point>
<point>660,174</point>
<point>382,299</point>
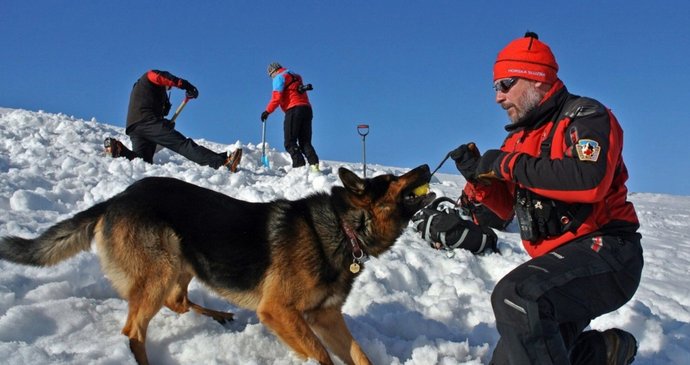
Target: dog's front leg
<point>288,324</point>
<point>329,325</point>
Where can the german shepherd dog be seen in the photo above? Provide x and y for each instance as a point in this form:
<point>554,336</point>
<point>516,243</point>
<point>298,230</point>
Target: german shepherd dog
<point>293,262</point>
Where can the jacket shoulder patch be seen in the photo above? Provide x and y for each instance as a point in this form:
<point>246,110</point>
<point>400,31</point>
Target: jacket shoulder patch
<point>588,150</point>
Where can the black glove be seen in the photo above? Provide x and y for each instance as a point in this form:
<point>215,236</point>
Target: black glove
<point>466,158</point>
<point>489,165</point>
<point>264,116</point>
<point>448,230</point>
<point>191,91</point>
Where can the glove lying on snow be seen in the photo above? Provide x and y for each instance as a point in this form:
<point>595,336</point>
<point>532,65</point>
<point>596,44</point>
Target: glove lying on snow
<point>444,228</point>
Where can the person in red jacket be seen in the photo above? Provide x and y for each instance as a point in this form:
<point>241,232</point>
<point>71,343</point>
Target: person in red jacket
<point>147,126</point>
<point>291,95</point>
<point>561,170</point>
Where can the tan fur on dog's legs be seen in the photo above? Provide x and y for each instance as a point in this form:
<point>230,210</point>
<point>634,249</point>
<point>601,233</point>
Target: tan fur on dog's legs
<point>288,324</point>
<point>179,302</point>
<point>219,316</point>
<point>330,326</point>
<point>146,297</point>
<point>144,302</point>
<point>137,334</point>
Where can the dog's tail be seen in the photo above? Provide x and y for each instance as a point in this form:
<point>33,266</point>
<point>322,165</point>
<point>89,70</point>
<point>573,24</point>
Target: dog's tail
<point>58,243</point>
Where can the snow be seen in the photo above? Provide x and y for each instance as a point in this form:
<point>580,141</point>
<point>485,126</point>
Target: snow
<point>412,305</point>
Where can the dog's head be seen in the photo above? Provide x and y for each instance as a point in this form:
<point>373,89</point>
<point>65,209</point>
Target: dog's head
<point>381,207</point>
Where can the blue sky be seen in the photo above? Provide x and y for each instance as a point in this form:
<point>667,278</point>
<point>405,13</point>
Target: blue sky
<point>419,73</point>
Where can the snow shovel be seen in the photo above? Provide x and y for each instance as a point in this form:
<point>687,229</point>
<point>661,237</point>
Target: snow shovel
<point>264,157</point>
<point>363,130</point>
<point>179,109</point>
<point>172,120</point>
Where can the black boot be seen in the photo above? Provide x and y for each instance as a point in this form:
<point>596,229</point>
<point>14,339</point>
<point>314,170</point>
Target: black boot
<point>621,347</point>
<point>112,147</point>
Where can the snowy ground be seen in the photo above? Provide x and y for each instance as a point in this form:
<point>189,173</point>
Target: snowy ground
<point>412,305</point>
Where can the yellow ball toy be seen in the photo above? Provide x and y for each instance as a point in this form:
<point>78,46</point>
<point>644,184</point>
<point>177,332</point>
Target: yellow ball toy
<point>421,190</point>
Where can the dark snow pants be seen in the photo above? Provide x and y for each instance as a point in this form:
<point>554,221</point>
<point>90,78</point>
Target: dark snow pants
<point>543,305</point>
<point>297,131</point>
<point>146,135</point>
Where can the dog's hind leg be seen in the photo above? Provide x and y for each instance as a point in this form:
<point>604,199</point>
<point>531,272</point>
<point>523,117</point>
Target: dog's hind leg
<point>329,325</point>
<point>178,301</point>
<point>221,317</point>
<point>288,324</point>
<point>151,284</point>
<point>145,300</point>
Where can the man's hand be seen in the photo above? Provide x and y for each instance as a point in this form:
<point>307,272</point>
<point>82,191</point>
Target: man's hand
<point>191,91</point>
<point>466,158</point>
<point>489,165</point>
<point>264,116</point>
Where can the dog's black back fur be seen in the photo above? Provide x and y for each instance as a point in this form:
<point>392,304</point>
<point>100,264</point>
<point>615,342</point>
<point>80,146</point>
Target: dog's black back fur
<point>227,240</point>
<point>219,235</point>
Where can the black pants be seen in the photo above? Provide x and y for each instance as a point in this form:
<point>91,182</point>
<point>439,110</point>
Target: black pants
<point>146,135</point>
<point>297,131</point>
<point>543,305</point>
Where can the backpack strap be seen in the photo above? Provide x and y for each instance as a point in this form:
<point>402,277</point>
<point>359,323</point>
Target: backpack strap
<point>565,117</point>
<point>294,78</point>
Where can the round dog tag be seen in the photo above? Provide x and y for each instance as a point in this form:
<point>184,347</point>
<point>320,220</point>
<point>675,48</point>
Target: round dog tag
<point>354,268</point>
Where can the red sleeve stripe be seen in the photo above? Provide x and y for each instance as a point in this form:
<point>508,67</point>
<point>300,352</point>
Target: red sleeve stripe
<point>508,164</point>
<point>162,78</point>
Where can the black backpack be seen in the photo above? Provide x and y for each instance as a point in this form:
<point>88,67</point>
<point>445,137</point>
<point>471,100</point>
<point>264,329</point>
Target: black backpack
<point>445,227</point>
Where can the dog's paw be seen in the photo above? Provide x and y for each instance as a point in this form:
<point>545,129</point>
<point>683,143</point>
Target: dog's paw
<point>223,318</point>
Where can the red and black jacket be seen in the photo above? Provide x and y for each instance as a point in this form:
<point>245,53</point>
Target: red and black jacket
<point>149,99</point>
<point>578,162</point>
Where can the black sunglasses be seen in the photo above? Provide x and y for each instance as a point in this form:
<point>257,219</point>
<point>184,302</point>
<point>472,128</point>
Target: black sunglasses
<point>503,85</point>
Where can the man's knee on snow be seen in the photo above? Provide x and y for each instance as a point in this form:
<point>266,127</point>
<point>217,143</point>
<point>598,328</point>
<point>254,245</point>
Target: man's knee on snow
<point>509,306</point>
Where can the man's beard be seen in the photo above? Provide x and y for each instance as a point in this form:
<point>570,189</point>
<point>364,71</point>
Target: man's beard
<point>531,100</point>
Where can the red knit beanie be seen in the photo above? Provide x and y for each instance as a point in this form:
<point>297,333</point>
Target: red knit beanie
<point>528,58</point>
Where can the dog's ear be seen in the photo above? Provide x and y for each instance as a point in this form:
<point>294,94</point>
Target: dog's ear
<point>351,181</point>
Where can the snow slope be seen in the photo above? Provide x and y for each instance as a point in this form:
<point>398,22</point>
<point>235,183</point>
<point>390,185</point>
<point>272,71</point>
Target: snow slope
<point>412,305</point>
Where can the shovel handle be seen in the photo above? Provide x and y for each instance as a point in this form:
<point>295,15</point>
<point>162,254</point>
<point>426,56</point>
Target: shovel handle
<point>263,138</point>
<point>179,109</point>
<point>172,120</point>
